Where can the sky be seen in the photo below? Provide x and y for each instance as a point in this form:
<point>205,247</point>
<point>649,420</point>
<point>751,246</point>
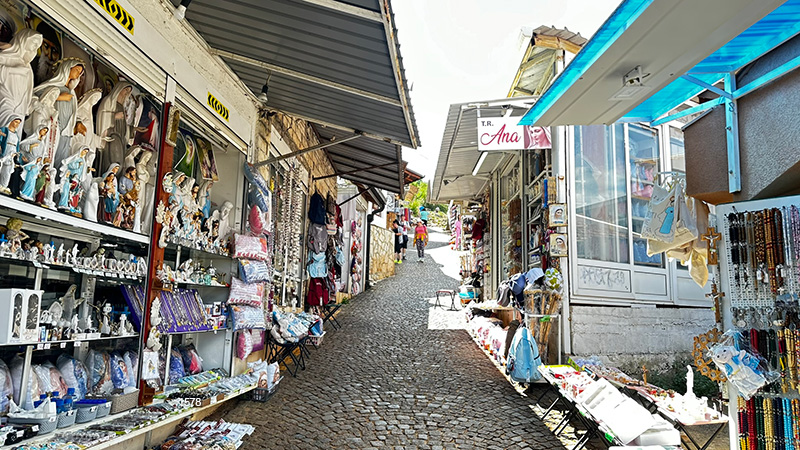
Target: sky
<point>469,50</point>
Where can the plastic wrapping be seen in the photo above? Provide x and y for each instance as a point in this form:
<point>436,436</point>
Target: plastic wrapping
<point>242,293</point>
<point>244,344</point>
<point>132,361</point>
<point>247,317</point>
<point>176,370</point>
<point>17,365</point>
<point>57,381</point>
<point>743,366</point>
<point>75,375</point>
<point>42,374</point>
<point>258,339</point>
<point>119,372</point>
<point>98,365</point>
<point>6,387</point>
<point>251,247</point>
<point>192,362</point>
<point>253,271</point>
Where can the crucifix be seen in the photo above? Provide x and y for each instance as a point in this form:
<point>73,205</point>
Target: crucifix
<point>716,295</point>
<point>711,237</point>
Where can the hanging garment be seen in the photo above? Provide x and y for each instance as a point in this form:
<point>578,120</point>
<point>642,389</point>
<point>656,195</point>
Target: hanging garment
<point>316,209</point>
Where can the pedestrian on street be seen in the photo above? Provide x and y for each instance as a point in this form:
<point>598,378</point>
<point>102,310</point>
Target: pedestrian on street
<point>421,239</point>
<point>406,227</point>
<point>423,214</point>
<point>398,241</point>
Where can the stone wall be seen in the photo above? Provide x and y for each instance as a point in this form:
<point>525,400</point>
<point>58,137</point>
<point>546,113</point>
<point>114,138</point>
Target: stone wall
<point>630,337</point>
<point>381,253</point>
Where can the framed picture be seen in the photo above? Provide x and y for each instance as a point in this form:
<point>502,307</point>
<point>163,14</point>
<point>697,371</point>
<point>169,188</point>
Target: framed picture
<point>557,215</point>
<point>558,244</point>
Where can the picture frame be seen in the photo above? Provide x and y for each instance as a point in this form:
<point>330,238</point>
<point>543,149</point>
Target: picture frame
<point>558,244</point>
<point>557,215</point>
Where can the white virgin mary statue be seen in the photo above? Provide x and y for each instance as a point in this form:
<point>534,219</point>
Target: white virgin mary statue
<point>68,74</point>
<point>16,75</point>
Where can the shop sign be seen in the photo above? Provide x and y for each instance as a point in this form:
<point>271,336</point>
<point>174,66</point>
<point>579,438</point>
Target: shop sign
<point>217,106</point>
<point>118,13</point>
<point>503,133</point>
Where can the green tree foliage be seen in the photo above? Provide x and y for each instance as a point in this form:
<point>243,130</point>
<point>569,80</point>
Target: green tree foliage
<point>421,199</point>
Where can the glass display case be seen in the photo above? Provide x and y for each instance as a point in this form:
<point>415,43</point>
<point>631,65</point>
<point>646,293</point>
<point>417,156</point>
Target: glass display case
<point>645,165</point>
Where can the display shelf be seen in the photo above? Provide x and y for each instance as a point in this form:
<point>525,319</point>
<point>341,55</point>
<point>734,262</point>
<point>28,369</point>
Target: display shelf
<point>545,172</point>
<point>43,344</point>
<point>644,160</point>
<point>176,333</point>
<point>640,197</point>
<point>194,252</point>
<point>535,200</point>
<point>100,275</point>
<point>47,215</point>
<point>199,285</point>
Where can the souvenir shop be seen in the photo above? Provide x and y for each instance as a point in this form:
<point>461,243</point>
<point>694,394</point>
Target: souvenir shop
<point>354,215</point>
<point>114,187</point>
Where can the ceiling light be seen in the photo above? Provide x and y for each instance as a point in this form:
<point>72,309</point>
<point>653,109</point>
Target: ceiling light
<point>479,164</point>
<point>632,85</point>
<point>262,97</point>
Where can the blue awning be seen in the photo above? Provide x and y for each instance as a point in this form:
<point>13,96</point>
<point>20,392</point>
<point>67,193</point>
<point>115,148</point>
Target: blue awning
<point>667,39</point>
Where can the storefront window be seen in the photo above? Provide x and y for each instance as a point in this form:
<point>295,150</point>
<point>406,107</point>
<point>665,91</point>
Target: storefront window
<point>601,207</point>
<point>644,165</point>
<point>676,150</point>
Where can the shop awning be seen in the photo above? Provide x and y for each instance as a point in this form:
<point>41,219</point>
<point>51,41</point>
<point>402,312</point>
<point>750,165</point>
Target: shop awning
<point>681,46</point>
<point>456,175</point>
<point>411,176</point>
<point>334,63</point>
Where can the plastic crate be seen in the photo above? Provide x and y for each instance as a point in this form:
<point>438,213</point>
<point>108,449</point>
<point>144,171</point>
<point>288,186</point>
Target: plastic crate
<point>315,340</point>
<point>45,425</point>
<point>66,419</point>
<point>103,409</point>
<point>261,394</point>
<point>85,413</point>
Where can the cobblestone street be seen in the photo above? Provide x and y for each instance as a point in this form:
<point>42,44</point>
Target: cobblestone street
<point>388,380</point>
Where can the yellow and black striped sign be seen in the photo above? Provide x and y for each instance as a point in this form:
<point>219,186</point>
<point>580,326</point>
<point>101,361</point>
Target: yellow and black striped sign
<point>217,106</point>
<point>118,13</point>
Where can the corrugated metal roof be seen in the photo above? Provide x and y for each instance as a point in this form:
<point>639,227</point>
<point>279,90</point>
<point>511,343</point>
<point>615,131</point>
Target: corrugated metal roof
<point>537,68</point>
<point>459,151</point>
<point>334,63</point>
<point>382,161</point>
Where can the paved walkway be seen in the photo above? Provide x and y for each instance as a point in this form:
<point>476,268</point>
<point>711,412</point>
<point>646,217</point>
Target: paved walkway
<point>397,375</point>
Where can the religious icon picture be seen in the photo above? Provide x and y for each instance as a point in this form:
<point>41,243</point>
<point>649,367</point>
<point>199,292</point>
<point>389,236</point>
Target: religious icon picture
<point>185,154</point>
<point>558,244</point>
<point>50,52</point>
<point>557,215</point>
<point>208,165</point>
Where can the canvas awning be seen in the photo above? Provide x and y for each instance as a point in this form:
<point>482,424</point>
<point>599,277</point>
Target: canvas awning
<point>669,40</point>
<point>336,64</point>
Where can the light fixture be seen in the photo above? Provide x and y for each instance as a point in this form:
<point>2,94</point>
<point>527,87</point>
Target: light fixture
<point>180,11</point>
<point>479,163</point>
<point>632,84</point>
<point>263,97</point>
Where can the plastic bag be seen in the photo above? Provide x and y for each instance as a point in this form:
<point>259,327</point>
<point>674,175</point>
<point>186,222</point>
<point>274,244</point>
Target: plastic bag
<point>258,339</point>
<point>247,317</point>
<point>176,371</point>
<point>98,364</point>
<point>253,271</point>
<point>251,247</point>
<point>57,381</point>
<point>32,389</point>
<point>244,344</point>
<point>743,366</point>
<point>192,362</point>
<point>132,362</point>
<point>6,387</point>
<point>119,372</point>
<point>42,373</point>
<point>242,293</point>
<point>75,374</point>
<point>256,220</point>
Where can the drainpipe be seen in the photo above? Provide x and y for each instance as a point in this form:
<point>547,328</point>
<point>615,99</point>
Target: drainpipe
<point>370,218</point>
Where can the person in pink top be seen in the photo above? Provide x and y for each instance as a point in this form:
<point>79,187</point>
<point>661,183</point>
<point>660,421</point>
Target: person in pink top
<point>421,240</point>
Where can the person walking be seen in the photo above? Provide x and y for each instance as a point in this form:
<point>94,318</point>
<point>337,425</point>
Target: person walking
<point>406,227</point>
<point>398,241</point>
<point>421,239</point>
<point>423,214</point>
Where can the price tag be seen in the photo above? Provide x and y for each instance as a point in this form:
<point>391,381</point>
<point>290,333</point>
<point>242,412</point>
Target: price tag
<point>47,346</point>
<point>213,399</point>
<point>39,346</point>
<point>20,433</point>
<point>545,319</point>
<point>63,345</point>
<point>77,343</point>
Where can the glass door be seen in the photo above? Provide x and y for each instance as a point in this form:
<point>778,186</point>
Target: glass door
<point>645,164</point>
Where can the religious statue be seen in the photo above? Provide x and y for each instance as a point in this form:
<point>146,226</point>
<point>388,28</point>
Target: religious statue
<point>224,221</point>
<point>146,175</point>
<point>30,173</point>
<point>9,143</point>
<point>187,195</point>
<point>33,146</point>
<point>16,74</point>
<point>112,123</point>
<point>43,182</point>
<point>67,76</point>
<point>73,170</point>
<point>86,116</point>
<point>204,202</point>
<point>110,193</point>
<point>45,114</point>
<point>50,185</point>
<point>175,192</point>
<point>91,201</point>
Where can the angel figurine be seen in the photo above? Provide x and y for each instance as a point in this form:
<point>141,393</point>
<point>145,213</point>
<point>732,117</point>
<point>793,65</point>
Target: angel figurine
<point>105,326</point>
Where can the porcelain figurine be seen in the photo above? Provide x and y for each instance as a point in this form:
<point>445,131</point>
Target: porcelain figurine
<point>9,144</point>
<point>73,324</point>
<point>16,74</point>
<point>33,146</point>
<point>108,190</point>
<point>224,221</point>
<point>67,76</point>
<point>30,173</point>
<point>89,137</point>
<point>42,182</point>
<point>204,202</point>
<point>73,170</point>
<point>112,123</point>
<point>49,250</point>
<point>176,194</point>
<point>91,202</point>
<point>105,326</point>
<point>60,254</point>
<point>186,187</point>
<point>45,114</point>
<point>146,174</point>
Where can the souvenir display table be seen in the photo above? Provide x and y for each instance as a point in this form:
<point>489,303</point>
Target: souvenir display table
<point>603,410</point>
